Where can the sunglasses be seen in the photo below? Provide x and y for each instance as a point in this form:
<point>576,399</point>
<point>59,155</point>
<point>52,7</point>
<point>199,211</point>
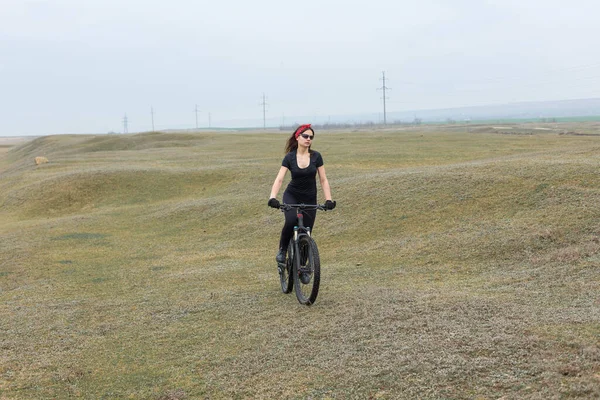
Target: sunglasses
<point>307,136</point>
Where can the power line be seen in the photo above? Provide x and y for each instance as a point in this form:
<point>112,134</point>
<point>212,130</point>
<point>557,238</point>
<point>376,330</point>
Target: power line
<point>384,88</point>
<point>264,104</point>
<point>152,113</point>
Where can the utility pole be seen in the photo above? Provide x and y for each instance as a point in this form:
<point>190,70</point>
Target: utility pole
<point>125,127</point>
<point>264,104</point>
<point>209,125</point>
<point>196,116</point>
<point>152,113</point>
<point>384,88</point>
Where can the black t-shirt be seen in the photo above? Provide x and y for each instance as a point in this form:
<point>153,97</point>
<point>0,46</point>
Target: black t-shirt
<point>303,183</point>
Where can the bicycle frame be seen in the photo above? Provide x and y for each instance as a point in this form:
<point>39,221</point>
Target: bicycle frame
<point>300,228</point>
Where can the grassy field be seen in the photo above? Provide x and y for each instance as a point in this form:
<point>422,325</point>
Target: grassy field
<point>459,264</point>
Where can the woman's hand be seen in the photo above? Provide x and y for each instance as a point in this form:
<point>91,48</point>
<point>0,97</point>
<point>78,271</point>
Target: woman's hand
<point>273,202</point>
<point>330,205</point>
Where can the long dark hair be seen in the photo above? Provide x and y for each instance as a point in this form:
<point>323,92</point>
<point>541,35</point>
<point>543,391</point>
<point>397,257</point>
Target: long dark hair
<point>292,143</point>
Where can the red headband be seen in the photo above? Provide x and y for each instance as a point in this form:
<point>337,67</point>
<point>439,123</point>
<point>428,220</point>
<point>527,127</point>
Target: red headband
<point>302,128</point>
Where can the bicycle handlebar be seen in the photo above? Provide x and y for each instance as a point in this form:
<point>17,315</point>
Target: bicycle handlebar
<point>302,206</point>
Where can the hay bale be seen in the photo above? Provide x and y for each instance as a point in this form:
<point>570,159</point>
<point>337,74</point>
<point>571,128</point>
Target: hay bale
<point>40,160</point>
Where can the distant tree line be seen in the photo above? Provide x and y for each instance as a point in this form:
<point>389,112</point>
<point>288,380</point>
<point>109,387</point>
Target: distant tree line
<point>354,125</point>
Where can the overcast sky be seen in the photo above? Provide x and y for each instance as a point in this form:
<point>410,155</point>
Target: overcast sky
<point>80,66</point>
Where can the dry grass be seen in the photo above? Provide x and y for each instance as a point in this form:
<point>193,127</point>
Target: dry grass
<point>459,264</point>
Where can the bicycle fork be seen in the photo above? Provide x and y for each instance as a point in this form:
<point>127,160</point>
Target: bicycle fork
<point>300,217</point>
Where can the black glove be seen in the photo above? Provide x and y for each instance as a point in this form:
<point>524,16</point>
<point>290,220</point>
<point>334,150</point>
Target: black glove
<point>330,205</point>
<point>273,202</point>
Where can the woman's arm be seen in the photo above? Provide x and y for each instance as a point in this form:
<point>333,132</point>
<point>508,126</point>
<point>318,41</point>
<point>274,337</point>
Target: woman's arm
<point>324,182</point>
<point>278,182</point>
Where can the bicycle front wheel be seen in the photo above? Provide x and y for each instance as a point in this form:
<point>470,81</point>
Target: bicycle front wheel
<point>307,270</point>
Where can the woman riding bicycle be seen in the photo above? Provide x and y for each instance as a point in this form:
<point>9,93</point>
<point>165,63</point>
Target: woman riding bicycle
<point>304,164</point>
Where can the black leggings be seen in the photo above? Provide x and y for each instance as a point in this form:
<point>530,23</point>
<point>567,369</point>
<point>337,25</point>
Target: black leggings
<point>291,219</point>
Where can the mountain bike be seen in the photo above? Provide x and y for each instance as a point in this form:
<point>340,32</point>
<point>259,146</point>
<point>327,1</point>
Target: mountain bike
<point>302,267</point>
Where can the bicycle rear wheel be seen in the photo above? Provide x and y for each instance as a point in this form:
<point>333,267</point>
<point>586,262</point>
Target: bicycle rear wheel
<point>285,274</point>
<point>307,270</point>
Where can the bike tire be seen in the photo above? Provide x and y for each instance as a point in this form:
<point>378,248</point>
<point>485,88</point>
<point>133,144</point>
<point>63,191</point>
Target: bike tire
<point>307,270</point>
<point>285,277</point>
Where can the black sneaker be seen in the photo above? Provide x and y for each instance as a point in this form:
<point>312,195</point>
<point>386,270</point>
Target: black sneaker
<point>280,257</point>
